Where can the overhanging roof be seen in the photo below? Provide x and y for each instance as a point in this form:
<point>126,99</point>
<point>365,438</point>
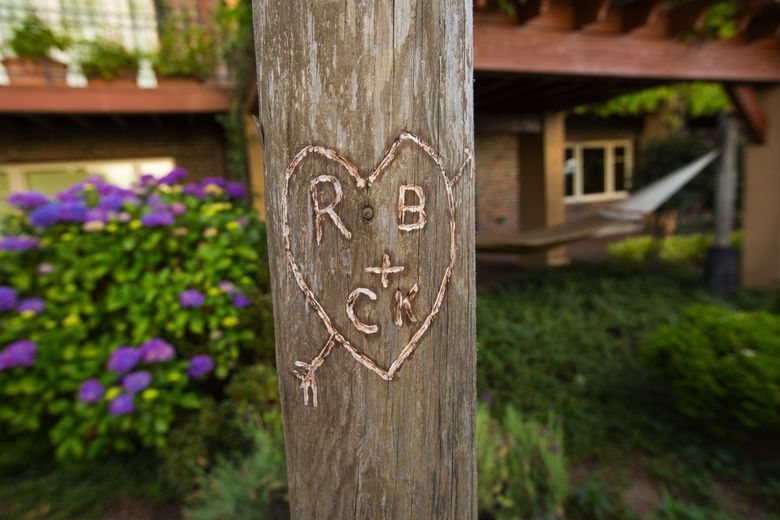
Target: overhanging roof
<point>636,39</point>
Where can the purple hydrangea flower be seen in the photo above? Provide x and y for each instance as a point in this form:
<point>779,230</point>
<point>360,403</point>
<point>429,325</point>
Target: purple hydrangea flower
<point>20,353</point>
<point>28,199</point>
<point>177,175</point>
<point>46,215</point>
<point>8,298</point>
<point>123,359</point>
<point>54,212</point>
<point>35,305</point>
<point>121,405</point>
<point>216,181</point>
<point>240,300</point>
<point>72,194</point>
<point>159,219</point>
<point>96,215</point>
<point>137,381</point>
<point>18,243</point>
<point>73,212</point>
<point>148,180</point>
<point>226,286</point>
<point>91,391</point>
<point>191,299</point>
<point>235,190</point>
<point>200,365</point>
<point>156,350</point>
<point>111,202</point>
<point>193,189</point>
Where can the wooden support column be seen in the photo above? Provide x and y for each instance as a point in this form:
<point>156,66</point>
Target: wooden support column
<point>541,183</point>
<point>761,214</point>
<point>722,259</point>
<point>366,117</point>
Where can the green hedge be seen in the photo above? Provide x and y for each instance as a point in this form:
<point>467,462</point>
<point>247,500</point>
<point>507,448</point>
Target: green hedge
<point>721,366</point>
<point>681,249</point>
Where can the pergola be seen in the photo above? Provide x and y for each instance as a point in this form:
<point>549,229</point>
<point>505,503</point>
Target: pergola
<point>551,55</point>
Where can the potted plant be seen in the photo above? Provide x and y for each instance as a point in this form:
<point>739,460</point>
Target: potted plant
<point>31,43</point>
<point>105,62</point>
<point>186,54</point>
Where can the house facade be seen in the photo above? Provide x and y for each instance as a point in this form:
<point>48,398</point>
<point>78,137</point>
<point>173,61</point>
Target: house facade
<point>59,124</point>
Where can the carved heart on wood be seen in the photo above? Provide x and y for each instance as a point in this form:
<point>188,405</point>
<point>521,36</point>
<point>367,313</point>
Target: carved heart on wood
<point>307,370</point>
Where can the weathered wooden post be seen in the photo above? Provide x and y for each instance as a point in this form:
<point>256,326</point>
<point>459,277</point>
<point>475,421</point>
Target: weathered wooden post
<point>366,123</point>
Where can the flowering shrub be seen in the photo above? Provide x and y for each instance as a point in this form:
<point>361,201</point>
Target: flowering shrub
<point>121,309</point>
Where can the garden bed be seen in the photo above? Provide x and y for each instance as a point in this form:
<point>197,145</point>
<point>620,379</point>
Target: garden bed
<point>560,346</point>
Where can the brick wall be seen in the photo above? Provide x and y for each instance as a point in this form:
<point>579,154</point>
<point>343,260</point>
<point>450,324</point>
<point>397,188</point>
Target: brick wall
<point>498,196</point>
<point>194,142</point>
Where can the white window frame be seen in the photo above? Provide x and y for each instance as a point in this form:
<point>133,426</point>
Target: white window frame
<point>17,172</point>
<point>610,193</point>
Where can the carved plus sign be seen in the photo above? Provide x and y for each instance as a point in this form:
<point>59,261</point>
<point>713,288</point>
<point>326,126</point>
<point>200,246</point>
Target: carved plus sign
<point>385,269</point>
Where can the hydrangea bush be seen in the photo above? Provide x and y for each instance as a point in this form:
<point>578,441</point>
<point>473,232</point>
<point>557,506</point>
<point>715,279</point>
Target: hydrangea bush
<point>121,309</point>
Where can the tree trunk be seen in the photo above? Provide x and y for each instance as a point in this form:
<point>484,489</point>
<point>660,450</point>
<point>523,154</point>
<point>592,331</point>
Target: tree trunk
<point>366,123</point>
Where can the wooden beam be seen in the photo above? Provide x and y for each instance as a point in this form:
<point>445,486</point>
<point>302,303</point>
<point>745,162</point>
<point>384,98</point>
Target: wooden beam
<point>587,12</point>
<point>528,51</point>
<point>751,112</point>
<point>116,100</point>
<point>688,16</point>
<point>639,13</point>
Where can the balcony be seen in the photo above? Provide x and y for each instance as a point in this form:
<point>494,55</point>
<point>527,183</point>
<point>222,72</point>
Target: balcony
<point>111,56</point>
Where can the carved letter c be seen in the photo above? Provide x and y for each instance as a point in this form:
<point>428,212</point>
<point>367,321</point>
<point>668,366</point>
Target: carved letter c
<point>351,299</point>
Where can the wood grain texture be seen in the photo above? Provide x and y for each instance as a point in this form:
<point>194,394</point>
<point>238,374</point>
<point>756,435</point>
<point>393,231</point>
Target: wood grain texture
<point>352,76</point>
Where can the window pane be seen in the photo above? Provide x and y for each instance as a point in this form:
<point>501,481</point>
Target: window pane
<point>51,182</point>
<point>620,176</point>
<point>569,167</point>
<point>593,170</point>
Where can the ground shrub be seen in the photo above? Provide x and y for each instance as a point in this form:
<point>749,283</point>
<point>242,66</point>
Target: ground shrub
<point>567,338</point>
<point>125,310</point>
<point>522,468</point>
<point>673,509</point>
<point>250,487</point>
<point>681,249</point>
<point>596,500</point>
<point>722,366</point>
<point>223,428</point>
